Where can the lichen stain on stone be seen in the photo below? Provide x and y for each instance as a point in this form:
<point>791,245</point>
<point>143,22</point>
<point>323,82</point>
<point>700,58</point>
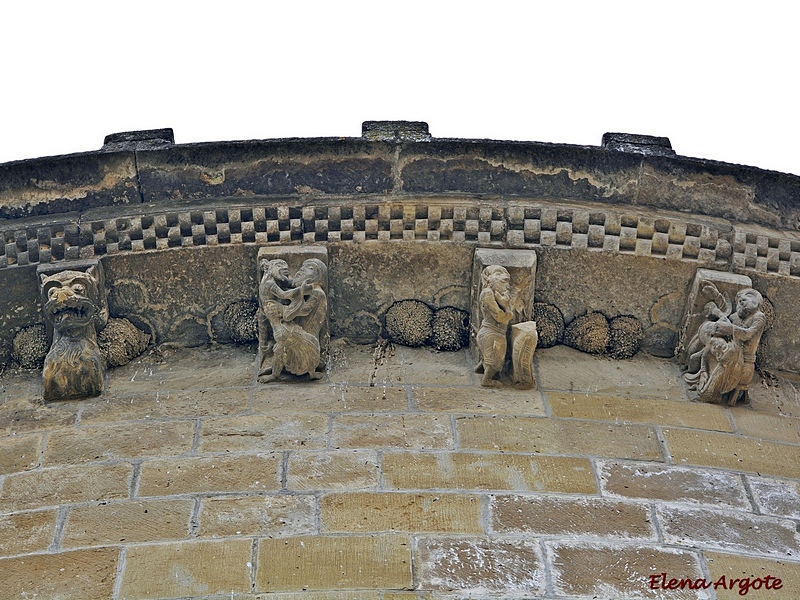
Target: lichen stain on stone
<point>213,177</point>
<point>47,190</point>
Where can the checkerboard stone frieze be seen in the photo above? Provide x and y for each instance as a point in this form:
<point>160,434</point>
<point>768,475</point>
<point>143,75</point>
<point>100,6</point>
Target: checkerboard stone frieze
<point>516,225</point>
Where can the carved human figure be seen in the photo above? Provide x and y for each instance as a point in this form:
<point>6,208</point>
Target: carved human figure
<point>494,304</point>
<point>73,302</point>
<point>723,352</point>
<point>297,316</point>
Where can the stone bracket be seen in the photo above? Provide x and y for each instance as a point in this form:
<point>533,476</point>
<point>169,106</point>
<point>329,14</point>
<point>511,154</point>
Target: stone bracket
<point>728,284</point>
<point>520,331</point>
<point>75,309</point>
<point>294,336</point>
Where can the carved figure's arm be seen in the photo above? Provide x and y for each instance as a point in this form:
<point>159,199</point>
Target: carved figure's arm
<point>490,306</point>
<point>755,329</point>
<point>282,294</point>
<point>304,307</point>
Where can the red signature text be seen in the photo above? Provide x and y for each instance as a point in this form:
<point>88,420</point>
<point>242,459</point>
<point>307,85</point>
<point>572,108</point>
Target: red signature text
<point>743,585</point>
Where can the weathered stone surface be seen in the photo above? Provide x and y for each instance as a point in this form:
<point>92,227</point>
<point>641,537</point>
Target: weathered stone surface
<point>165,405</point>
<point>373,277</point>
<point>775,497</point>
<point>394,431</point>
<point>22,409</point>
<point>111,442</point>
<point>493,401</point>
<point>603,282</point>
<point>53,487</point>
<point>776,393</point>
<point>564,369</point>
<point>78,575</point>
<point>264,168</point>
<point>672,484</point>
<point>386,365</point>
<point>172,369</point>
<point>336,469</point>
<point>107,524</point>
<point>380,511</point>
<point>187,569</point>
<point>733,452</point>
<point>734,567</point>
<point>320,563</point>
<point>330,399</point>
<point>67,183</point>
<point>620,571</point>
<point>544,515</point>
<point>20,453</point>
<point>758,425</point>
<point>599,407</point>
<point>265,516</point>
<point>548,436</point>
<point>783,340</point>
<point>737,532</point>
<point>25,532</point>
<point>476,566</point>
<point>210,474</point>
<point>150,289</point>
<point>472,471</point>
<point>263,433</point>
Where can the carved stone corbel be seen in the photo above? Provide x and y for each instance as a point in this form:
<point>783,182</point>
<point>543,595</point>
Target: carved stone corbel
<point>722,329</point>
<point>75,308</point>
<point>504,333</point>
<point>292,312</point>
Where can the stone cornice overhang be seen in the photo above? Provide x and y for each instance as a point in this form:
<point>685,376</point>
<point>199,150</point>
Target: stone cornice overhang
<point>355,166</point>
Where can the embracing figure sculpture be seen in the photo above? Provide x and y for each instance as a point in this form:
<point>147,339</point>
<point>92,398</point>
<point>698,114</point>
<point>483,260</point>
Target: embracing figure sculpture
<point>721,355</point>
<point>292,319</point>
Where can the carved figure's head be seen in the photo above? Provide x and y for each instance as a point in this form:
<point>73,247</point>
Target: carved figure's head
<point>748,302</point>
<point>276,269</point>
<point>71,299</point>
<point>312,270</point>
<point>496,278</point>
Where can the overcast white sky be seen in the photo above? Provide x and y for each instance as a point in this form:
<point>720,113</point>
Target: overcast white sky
<point>717,78</point>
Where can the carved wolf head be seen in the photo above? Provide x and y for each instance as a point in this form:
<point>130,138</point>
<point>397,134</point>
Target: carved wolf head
<point>71,299</point>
